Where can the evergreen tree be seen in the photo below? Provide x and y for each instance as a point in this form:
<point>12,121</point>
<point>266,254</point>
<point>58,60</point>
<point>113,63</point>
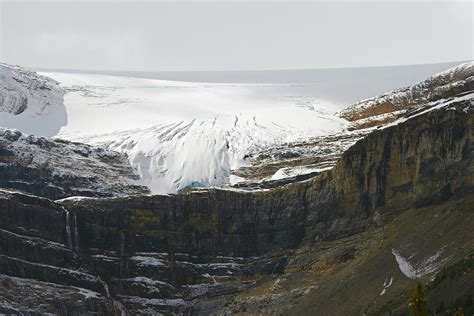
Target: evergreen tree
<point>419,301</point>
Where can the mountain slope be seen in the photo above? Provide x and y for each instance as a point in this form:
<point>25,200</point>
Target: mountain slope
<point>299,160</point>
<point>389,106</point>
<point>395,210</point>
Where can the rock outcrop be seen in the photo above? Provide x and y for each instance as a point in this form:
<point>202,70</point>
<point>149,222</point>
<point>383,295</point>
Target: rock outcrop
<point>21,89</point>
<point>30,102</point>
<point>57,169</point>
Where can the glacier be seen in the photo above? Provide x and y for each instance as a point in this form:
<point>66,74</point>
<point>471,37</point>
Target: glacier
<point>176,134</point>
<point>179,133</point>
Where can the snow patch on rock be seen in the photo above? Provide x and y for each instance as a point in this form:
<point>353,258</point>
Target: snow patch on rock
<point>296,171</point>
<point>143,261</point>
<point>386,284</point>
<point>417,270</point>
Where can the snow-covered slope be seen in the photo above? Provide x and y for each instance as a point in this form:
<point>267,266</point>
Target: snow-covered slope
<point>387,107</point>
<point>178,134</point>
<point>30,102</point>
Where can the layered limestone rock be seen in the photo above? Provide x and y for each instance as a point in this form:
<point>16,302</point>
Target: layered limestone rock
<point>423,161</point>
<point>57,168</point>
<point>22,296</point>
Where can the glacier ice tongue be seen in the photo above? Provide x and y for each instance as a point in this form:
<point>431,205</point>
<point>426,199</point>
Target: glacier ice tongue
<point>179,133</point>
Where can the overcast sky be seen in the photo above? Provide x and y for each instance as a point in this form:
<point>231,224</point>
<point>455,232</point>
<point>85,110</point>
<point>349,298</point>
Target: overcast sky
<point>233,35</point>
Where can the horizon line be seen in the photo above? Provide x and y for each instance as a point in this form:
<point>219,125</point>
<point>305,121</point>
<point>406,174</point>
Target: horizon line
<point>46,69</point>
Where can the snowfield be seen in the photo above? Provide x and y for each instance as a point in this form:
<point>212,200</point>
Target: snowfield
<point>178,134</point>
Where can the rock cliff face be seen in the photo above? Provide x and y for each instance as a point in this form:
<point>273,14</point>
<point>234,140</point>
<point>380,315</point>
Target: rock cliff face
<point>424,160</point>
<point>217,251</point>
<point>56,168</point>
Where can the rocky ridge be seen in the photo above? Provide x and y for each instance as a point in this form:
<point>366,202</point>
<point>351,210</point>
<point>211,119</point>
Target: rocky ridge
<point>57,169</point>
<point>388,107</point>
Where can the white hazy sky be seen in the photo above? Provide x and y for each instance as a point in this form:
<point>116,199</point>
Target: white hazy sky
<point>163,36</point>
